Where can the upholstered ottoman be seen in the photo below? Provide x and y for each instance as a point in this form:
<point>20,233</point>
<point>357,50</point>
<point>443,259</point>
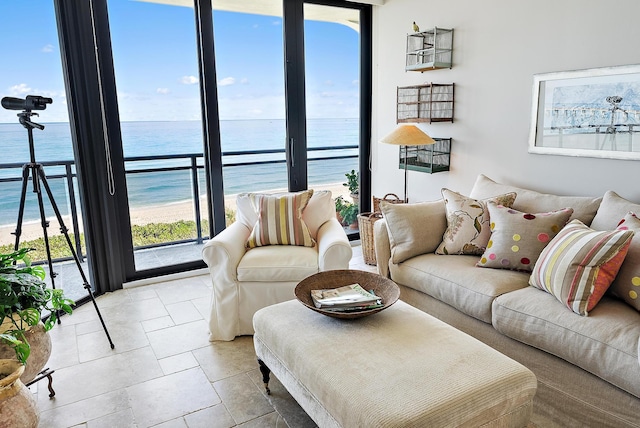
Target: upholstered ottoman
<point>397,368</point>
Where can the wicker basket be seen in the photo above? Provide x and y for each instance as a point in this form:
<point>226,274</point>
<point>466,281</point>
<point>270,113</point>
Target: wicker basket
<point>392,198</point>
<point>365,224</point>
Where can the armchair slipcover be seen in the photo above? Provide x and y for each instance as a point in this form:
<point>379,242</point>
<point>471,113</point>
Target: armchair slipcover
<point>245,281</point>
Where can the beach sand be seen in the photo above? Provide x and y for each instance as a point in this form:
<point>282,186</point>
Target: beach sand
<point>167,213</point>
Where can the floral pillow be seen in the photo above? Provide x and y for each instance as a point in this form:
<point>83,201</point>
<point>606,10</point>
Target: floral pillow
<point>468,229</point>
<point>518,238</point>
<point>626,286</point>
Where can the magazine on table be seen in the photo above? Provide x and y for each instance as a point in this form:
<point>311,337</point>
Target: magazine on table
<point>348,298</point>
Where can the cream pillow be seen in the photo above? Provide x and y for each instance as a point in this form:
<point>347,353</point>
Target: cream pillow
<point>280,220</point>
<point>414,229</point>
<point>468,222</point>
<point>518,238</point>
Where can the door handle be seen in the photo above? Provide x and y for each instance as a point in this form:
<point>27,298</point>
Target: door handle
<point>292,158</point>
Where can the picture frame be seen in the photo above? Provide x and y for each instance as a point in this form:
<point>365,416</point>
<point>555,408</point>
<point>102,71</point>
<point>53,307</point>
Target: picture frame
<point>590,113</point>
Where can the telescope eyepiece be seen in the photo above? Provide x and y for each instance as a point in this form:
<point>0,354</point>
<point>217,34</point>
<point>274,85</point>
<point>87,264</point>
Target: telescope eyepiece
<point>31,102</point>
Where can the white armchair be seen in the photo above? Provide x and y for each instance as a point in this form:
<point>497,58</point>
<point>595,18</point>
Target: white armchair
<point>245,281</point>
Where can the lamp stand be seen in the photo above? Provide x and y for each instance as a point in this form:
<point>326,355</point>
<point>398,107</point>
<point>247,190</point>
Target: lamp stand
<point>406,156</point>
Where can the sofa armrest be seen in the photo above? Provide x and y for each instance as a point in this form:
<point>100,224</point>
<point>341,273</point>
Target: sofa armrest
<point>382,246</point>
<point>334,249</point>
<point>222,254</point>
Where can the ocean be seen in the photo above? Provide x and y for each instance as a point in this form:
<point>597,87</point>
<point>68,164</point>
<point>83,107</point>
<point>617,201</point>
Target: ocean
<point>175,138</point>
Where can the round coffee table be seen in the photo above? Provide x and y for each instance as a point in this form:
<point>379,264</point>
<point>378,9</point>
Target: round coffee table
<point>381,286</point>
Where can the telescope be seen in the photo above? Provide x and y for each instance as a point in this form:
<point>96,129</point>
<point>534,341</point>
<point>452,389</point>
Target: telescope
<point>32,102</point>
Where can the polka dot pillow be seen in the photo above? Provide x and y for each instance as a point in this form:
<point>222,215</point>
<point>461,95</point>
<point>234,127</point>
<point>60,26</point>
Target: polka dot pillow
<point>626,286</point>
<point>518,238</point>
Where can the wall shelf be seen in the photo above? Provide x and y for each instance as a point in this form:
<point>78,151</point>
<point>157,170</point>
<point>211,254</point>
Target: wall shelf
<point>429,50</point>
<point>431,102</point>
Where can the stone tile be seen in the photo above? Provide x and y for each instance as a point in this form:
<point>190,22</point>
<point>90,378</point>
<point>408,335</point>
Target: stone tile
<point>122,418</point>
<point>157,323</point>
<point>242,398</point>
<point>187,289</point>
<point>89,327</point>
<point>178,363</point>
<point>221,360</point>
<point>271,420</point>
<point>183,312</point>
<point>181,338</point>
<point>170,397</point>
<point>174,423</point>
<point>141,293</point>
<point>64,347</point>
<point>114,298</point>
<point>203,305</point>
<point>85,410</point>
<point>212,417</point>
<point>125,337</point>
<point>90,379</point>
<point>135,311</point>
<point>282,401</point>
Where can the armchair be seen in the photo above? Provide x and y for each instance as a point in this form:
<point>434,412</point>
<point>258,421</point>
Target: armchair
<point>246,280</point>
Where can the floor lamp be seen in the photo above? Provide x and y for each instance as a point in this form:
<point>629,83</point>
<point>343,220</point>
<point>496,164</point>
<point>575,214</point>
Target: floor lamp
<point>407,135</point>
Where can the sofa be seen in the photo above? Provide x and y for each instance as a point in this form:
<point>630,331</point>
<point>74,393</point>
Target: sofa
<point>585,357</point>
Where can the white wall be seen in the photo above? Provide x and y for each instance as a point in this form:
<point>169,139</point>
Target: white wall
<point>498,46</point>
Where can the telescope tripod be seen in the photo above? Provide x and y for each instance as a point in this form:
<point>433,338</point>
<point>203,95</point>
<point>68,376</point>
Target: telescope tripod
<point>36,172</point>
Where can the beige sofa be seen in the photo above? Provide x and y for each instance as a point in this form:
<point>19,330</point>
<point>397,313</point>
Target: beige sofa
<point>588,367</point>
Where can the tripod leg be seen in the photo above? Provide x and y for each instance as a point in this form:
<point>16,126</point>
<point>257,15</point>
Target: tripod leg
<point>65,232</point>
<point>23,196</point>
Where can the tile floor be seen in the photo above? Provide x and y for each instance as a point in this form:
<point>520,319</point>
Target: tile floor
<point>163,372</point>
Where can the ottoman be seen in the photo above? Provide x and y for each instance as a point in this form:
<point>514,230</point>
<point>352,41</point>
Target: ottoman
<point>397,368</point>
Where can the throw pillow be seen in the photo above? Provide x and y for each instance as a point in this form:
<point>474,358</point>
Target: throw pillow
<point>320,208</point>
<point>468,222</point>
<point>626,286</point>
<point>518,238</point>
<point>612,209</point>
<point>414,229</point>
<point>579,265</point>
<point>280,220</point>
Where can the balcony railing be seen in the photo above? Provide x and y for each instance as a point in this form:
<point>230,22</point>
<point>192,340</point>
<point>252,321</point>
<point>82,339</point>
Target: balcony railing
<point>192,162</point>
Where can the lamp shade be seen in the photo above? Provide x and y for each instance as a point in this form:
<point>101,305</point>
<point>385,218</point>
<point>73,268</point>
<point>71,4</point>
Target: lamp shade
<point>408,135</point>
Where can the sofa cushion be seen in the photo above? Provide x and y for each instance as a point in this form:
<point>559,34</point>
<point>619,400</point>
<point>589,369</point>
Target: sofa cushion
<point>605,343</point>
<point>280,220</point>
<point>579,264</point>
<point>319,209</point>
<point>456,281</point>
<point>518,238</point>
<point>626,286</point>
<point>414,229</point>
<point>278,263</point>
<point>612,209</point>
<point>584,207</point>
<point>468,222</point>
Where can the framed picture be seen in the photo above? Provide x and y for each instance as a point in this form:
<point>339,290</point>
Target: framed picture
<point>593,113</point>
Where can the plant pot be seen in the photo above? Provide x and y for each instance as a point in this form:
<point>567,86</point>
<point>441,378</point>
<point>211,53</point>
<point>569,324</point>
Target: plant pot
<point>353,226</point>
<point>339,217</point>
<point>40,343</point>
<point>18,408</point>
<point>356,198</point>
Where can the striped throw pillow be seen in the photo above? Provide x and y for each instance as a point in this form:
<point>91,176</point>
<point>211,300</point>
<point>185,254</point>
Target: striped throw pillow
<point>280,220</point>
<point>579,264</point>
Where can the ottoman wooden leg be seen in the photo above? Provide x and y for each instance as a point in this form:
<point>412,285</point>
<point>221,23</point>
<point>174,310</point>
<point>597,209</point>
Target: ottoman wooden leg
<point>265,375</point>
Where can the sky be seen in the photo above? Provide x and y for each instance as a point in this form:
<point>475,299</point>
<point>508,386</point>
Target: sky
<point>155,61</point>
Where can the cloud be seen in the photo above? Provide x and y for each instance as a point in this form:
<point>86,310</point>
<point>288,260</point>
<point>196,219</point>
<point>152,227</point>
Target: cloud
<point>355,82</point>
<point>47,48</point>
<point>276,22</point>
<point>255,26</point>
<point>244,81</point>
<point>227,81</point>
<point>189,80</point>
<point>163,90</point>
<point>328,82</point>
<point>20,89</point>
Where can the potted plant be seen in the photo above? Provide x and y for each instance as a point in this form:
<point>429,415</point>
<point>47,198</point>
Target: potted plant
<point>349,213</point>
<point>23,299</point>
<point>340,202</point>
<point>353,184</point>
